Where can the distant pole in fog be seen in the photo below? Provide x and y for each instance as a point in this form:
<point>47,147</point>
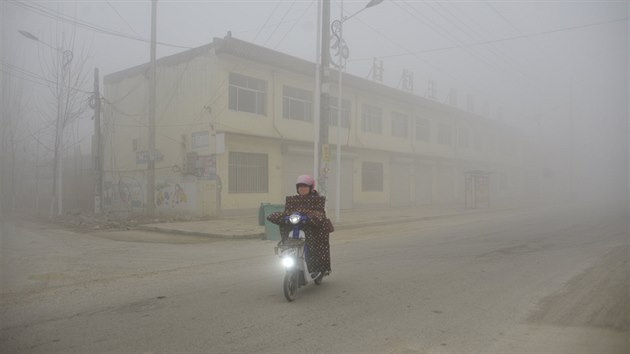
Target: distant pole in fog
<point>98,153</point>
<point>152,93</point>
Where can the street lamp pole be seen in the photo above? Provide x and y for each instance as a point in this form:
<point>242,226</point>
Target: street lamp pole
<point>343,53</point>
<point>65,60</point>
<point>337,28</point>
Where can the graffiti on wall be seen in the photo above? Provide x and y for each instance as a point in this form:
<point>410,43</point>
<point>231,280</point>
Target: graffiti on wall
<point>124,194</point>
<point>170,194</point>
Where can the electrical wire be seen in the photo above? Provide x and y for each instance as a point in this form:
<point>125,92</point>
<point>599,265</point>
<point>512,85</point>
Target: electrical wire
<point>498,40</point>
<point>46,12</point>
<point>295,23</point>
<point>266,21</point>
<point>121,17</point>
<point>13,70</point>
<point>281,20</point>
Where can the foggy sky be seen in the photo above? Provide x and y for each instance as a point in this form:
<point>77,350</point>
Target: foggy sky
<point>543,65</point>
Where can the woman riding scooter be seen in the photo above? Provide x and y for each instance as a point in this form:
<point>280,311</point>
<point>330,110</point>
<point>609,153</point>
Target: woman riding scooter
<point>318,227</point>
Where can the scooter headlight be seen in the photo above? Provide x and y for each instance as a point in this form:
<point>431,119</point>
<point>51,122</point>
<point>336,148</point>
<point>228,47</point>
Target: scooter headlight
<point>294,218</point>
<point>288,262</point>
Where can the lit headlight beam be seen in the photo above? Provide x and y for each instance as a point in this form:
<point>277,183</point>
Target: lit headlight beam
<point>288,262</point>
<point>294,219</point>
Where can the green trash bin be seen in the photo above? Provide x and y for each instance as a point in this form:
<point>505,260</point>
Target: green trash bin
<point>272,231</point>
<point>261,214</point>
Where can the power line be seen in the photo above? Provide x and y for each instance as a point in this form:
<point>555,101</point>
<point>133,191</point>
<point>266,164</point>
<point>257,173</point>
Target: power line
<point>295,23</point>
<point>46,12</point>
<point>121,17</point>
<point>446,32</point>
<point>281,20</point>
<point>511,66</point>
<point>266,21</point>
<point>498,40</point>
<point>30,77</point>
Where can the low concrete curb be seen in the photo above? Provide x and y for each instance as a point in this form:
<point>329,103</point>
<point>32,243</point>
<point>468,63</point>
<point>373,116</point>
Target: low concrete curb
<point>403,220</point>
<point>261,235</point>
<point>340,226</point>
<point>257,235</point>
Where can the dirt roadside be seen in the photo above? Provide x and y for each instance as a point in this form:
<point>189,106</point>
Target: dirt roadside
<point>590,314</point>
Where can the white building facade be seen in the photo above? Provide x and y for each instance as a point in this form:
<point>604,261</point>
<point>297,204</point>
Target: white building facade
<point>235,126</point>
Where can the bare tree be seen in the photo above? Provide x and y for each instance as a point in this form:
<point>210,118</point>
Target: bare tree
<point>68,75</point>
<point>11,111</point>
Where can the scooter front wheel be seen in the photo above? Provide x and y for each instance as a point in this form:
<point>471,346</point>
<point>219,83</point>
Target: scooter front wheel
<point>318,279</point>
<point>290,285</point>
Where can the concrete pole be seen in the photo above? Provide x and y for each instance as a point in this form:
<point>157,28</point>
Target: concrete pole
<point>318,89</point>
<point>339,102</point>
<point>152,93</point>
<point>325,100</point>
<point>57,183</point>
<point>98,158</point>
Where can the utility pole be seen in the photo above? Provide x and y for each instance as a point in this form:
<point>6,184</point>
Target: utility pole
<point>324,112</point>
<point>98,158</point>
<point>340,48</point>
<point>152,94</point>
<point>65,58</point>
<point>318,89</point>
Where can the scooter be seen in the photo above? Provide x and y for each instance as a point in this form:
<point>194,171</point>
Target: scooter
<point>292,253</point>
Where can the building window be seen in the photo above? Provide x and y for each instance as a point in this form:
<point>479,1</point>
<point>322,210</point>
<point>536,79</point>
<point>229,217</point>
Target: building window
<point>297,104</point>
<point>445,134</point>
<point>471,103</point>
<point>334,112</point>
<point>199,140</point>
<point>400,125</point>
<point>371,119</point>
<point>372,177</point>
<point>464,139</point>
<point>248,94</point>
<point>248,173</point>
<point>423,129</point>
<point>478,141</point>
<point>452,97</point>
<point>491,143</point>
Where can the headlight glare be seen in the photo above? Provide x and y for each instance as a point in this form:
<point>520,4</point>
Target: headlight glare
<point>294,219</point>
<point>288,262</point>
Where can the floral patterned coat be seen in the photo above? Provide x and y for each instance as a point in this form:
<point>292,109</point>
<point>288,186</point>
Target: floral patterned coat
<point>317,228</point>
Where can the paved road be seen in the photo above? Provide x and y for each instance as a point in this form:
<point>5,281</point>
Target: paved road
<point>536,281</point>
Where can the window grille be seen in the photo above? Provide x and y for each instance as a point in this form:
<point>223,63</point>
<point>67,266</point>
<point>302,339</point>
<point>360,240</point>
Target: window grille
<point>297,104</point>
<point>372,119</point>
<point>400,125</point>
<point>248,173</point>
<point>372,176</point>
<point>247,94</point>
<point>200,139</point>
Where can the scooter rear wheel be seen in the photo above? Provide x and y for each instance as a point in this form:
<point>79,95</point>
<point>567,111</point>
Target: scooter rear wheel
<point>290,285</point>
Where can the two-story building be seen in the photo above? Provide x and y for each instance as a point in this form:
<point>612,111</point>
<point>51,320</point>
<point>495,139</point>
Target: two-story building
<point>235,126</point>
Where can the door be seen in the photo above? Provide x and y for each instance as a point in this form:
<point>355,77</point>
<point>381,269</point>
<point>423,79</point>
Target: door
<point>400,184</point>
<point>423,183</point>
